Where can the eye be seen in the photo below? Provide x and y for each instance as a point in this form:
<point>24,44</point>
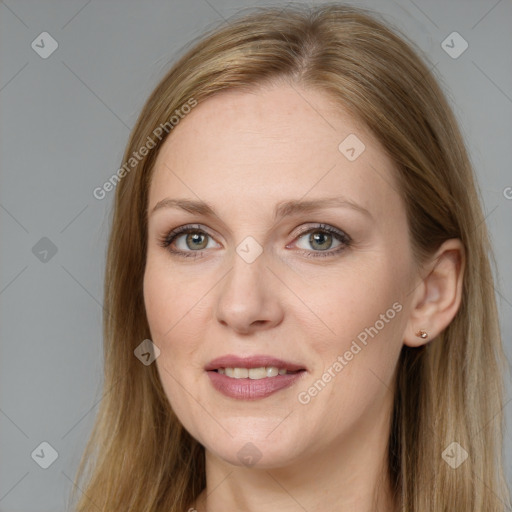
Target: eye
<point>322,238</point>
<point>189,241</point>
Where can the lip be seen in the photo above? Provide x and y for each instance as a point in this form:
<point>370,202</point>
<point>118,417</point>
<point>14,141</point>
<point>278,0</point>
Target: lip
<point>250,389</point>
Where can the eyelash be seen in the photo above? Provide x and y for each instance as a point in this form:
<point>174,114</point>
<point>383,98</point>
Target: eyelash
<point>342,237</point>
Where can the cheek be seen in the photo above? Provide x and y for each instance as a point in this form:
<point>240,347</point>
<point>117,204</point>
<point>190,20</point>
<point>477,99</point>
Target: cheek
<point>353,299</point>
<point>169,298</point>
<point>172,306</point>
<point>364,314</point>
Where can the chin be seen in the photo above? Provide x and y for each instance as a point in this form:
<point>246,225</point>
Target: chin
<point>260,450</point>
<point>256,455</point>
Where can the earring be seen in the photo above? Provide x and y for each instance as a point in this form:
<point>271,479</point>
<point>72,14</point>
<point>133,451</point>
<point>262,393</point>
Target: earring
<point>422,334</point>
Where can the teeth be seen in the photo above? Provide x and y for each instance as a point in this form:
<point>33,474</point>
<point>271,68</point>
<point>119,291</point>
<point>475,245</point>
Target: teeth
<point>240,373</point>
<point>272,371</point>
<point>252,373</point>
<point>258,373</point>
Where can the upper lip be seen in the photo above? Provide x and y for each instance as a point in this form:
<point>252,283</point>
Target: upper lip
<point>255,361</point>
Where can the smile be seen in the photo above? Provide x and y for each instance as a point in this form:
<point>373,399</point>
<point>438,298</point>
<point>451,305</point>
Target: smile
<point>252,377</point>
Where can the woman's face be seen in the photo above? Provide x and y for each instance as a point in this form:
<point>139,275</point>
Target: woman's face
<point>259,285</point>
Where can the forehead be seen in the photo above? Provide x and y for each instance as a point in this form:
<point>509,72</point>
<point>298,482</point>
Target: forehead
<point>270,144</point>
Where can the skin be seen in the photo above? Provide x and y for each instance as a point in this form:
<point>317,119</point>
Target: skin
<point>243,153</point>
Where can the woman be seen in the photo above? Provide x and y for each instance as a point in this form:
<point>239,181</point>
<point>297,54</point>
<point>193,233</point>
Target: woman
<point>301,311</point>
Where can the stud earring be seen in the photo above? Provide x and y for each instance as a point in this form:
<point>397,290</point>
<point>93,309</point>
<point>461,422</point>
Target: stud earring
<point>422,334</point>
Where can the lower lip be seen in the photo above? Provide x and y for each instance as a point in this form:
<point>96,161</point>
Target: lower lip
<point>252,389</point>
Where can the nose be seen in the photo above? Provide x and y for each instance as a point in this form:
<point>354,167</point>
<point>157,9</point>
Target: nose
<point>249,297</point>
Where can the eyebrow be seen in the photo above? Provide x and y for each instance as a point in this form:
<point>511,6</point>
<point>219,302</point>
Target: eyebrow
<point>282,209</point>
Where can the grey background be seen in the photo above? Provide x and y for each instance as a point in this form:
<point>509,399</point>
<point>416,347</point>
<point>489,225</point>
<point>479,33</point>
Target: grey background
<point>65,121</point>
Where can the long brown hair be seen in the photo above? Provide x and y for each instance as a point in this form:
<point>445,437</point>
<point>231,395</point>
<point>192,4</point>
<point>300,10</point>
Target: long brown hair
<point>139,457</point>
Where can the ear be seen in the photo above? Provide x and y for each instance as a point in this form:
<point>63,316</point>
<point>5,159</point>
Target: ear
<point>437,298</point>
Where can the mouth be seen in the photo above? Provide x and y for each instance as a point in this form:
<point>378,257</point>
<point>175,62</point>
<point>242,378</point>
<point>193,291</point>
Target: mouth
<point>254,377</point>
